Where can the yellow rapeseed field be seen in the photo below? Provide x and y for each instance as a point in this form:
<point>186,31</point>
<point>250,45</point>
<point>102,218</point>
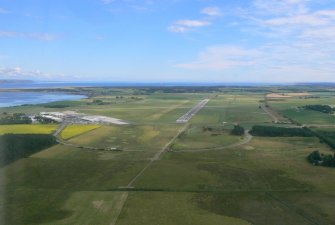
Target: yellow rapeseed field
<point>75,130</point>
<point>27,129</point>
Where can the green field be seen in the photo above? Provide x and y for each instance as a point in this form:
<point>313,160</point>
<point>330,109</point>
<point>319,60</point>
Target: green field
<point>167,173</point>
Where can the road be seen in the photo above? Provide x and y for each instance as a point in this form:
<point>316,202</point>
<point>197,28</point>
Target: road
<point>270,113</point>
<point>187,116</point>
<point>60,129</point>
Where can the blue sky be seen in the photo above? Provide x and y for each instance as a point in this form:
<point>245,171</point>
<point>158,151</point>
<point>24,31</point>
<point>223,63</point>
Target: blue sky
<point>168,40</point>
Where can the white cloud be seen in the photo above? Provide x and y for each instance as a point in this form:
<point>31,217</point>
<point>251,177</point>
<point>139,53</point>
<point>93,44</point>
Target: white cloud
<point>274,62</point>
<point>222,58</point>
<point>178,29</point>
<point>296,43</point>
<point>34,36</point>
<point>287,17</point>
<point>275,7</point>
<point>323,34</point>
<point>193,23</point>
<point>301,20</point>
<point>183,26</point>
<point>211,11</point>
<point>19,73</point>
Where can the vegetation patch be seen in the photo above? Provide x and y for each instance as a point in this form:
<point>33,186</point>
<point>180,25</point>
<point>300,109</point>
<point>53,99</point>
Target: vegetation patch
<point>15,118</point>
<point>270,131</point>
<point>61,104</point>
<point>214,130</point>
<point>17,146</point>
<point>320,159</point>
<point>320,108</point>
<point>26,205</point>
<point>251,207</point>
<point>75,130</point>
<point>204,137</point>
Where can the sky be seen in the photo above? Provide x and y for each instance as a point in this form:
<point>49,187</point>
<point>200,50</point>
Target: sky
<point>266,41</point>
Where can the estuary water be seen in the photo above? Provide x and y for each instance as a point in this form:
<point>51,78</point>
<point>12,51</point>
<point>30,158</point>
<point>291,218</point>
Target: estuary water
<point>20,98</point>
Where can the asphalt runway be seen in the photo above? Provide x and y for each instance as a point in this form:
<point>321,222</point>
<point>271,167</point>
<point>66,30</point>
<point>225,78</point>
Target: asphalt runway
<point>187,116</point>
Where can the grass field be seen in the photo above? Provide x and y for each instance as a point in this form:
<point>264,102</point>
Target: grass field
<point>196,179</point>
<point>27,129</point>
<point>133,137</point>
<point>75,130</point>
<point>196,138</point>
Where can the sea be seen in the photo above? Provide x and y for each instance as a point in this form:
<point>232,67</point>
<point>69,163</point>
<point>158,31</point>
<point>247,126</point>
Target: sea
<point>8,99</point>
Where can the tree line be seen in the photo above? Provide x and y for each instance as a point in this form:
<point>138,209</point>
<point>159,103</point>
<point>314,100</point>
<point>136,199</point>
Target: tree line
<point>271,131</point>
<point>320,108</point>
<point>16,118</point>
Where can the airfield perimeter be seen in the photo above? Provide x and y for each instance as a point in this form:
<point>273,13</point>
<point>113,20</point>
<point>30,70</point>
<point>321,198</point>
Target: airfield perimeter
<point>171,165</point>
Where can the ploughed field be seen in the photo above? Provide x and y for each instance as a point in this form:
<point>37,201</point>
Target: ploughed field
<point>168,173</point>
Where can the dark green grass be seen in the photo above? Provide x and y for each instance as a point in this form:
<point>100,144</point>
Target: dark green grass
<point>71,174</point>
<point>309,117</point>
<point>16,146</point>
<point>34,206</point>
<point>257,208</point>
<point>35,190</point>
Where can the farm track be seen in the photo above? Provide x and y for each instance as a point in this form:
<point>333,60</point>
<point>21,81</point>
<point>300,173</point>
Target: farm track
<point>156,157</point>
<point>60,129</point>
<point>119,206</point>
<point>59,141</point>
<point>294,209</point>
<point>275,119</point>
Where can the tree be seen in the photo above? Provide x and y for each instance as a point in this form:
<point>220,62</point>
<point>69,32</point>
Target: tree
<point>237,130</point>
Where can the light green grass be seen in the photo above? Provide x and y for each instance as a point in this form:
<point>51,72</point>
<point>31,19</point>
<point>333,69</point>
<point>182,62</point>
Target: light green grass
<point>89,208</point>
<point>134,137</point>
<point>170,208</point>
<point>195,138</point>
